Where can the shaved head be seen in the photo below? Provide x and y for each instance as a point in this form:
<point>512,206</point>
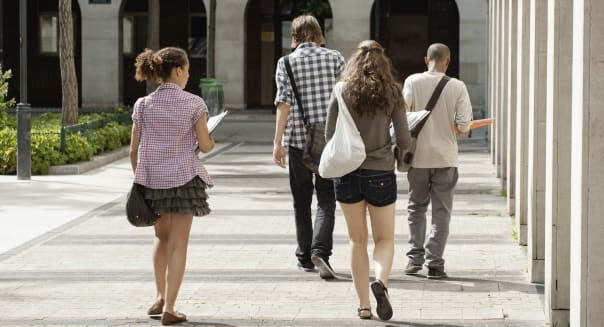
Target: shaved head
<point>438,52</point>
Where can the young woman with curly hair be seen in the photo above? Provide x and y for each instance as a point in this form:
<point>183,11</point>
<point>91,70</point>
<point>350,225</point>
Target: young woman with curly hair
<point>375,101</point>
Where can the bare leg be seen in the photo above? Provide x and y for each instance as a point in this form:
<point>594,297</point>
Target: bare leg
<point>180,228</point>
<point>357,232</point>
<point>382,227</point>
<point>160,254</point>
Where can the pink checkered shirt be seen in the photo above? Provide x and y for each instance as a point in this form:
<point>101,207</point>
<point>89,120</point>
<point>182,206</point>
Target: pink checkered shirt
<point>166,151</point>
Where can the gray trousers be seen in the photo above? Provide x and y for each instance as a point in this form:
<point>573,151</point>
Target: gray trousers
<point>438,185</point>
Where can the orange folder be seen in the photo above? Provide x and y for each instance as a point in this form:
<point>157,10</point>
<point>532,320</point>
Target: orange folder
<point>477,124</point>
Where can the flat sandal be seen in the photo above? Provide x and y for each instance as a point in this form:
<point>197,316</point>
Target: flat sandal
<point>361,309</point>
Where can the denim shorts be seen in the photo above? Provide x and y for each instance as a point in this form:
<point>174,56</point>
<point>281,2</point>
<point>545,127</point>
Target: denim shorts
<point>377,187</point>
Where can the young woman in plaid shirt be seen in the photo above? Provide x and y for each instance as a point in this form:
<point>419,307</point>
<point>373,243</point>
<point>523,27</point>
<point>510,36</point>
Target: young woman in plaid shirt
<point>168,124</point>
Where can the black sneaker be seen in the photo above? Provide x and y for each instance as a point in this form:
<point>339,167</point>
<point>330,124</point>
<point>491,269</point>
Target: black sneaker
<point>325,270</point>
<point>306,266</point>
<point>436,273</point>
<point>412,268</point>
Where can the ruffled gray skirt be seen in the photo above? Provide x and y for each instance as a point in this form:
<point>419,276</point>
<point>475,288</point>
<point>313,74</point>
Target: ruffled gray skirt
<point>190,198</point>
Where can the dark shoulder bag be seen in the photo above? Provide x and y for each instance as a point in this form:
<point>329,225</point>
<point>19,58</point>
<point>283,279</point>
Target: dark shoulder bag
<point>315,133</point>
<point>138,211</point>
<point>404,158</point>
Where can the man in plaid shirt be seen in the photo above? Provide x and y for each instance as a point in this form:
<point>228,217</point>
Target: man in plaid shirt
<point>315,71</point>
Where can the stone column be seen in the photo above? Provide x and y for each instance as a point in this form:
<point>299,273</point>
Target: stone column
<point>558,161</point>
<point>536,140</point>
<point>491,63</point>
<point>230,50</point>
<point>587,168</point>
<point>473,55</point>
<point>522,68</point>
<point>503,99</point>
<point>511,107</point>
<point>496,85</point>
<point>351,24</point>
<point>101,54</point>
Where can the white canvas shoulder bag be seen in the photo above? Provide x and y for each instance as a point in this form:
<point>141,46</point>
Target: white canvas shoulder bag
<point>345,151</point>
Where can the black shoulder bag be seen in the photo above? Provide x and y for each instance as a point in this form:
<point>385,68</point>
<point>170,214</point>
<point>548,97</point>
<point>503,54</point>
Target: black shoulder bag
<point>138,211</point>
<point>405,158</point>
<point>315,133</point>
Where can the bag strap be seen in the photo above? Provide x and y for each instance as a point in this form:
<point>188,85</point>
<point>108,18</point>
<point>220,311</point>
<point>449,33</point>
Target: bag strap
<point>431,103</point>
<point>292,81</point>
<point>140,129</point>
<point>342,106</point>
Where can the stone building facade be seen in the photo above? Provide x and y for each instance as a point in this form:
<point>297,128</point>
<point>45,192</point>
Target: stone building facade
<point>249,40</point>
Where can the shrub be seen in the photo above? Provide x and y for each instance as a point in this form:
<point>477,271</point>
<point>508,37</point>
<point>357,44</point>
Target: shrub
<point>77,148</point>
<point>46,141</point>
<point>8,151</point>
<point>45,152</point>
<point>5,120</point>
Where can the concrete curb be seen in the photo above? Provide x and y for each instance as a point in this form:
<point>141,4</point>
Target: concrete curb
<point>96,162</point>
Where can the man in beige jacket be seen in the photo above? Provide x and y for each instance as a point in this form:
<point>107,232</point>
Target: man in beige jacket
<point>433,173</point>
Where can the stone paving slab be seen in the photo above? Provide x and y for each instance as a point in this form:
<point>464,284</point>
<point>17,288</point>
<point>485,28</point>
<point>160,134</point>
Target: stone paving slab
<point>241,271</point>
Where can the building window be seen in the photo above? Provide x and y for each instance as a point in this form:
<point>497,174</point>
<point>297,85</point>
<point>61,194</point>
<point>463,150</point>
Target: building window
<point>49,34</point>
<point>197,30</point>
<point>49,26</point>
<point>134,34</point>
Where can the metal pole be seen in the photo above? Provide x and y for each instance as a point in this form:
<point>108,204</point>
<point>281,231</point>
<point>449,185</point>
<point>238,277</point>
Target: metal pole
<point>23,108</point>
<point>23,50</point>
<point>211,49</point>
<point>378,16</point>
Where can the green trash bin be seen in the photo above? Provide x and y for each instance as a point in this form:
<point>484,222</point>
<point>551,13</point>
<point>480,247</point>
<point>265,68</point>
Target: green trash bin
<point>213,94</point>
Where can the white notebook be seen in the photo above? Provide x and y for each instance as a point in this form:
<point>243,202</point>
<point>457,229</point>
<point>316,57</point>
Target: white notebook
<point>214,121</point>
<point>414,117</point>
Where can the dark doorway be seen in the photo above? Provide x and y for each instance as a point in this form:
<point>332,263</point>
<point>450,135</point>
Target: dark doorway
<point>182,24</point>
<point>268,38</point>
<point>43,65</point>
<point>407,28</point>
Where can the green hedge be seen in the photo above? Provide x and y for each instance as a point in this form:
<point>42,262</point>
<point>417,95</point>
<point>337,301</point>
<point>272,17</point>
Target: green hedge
<point>46,141</point>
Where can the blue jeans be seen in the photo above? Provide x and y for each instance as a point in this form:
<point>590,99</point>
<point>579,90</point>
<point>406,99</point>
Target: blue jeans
<point>317,241</point>
<point>377,187</point>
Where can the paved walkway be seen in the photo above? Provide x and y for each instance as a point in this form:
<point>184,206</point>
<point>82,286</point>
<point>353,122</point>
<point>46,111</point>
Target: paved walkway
<point>75,261</point>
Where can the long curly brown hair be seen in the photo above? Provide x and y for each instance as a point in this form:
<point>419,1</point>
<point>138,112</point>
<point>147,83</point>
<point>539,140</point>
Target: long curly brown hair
<point>370,82</point>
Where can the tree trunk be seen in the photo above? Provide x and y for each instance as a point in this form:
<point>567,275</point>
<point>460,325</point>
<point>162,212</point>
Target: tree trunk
<point>153,35</point>
<point>69,81</point>
<point>211,40</point>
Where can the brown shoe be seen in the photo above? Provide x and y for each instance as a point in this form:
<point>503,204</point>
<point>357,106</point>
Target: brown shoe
<point>175,318</point>
<point>157,308</point>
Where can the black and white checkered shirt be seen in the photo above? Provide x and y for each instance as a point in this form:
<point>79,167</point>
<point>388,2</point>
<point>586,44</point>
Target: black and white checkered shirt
<point>316,70</point>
